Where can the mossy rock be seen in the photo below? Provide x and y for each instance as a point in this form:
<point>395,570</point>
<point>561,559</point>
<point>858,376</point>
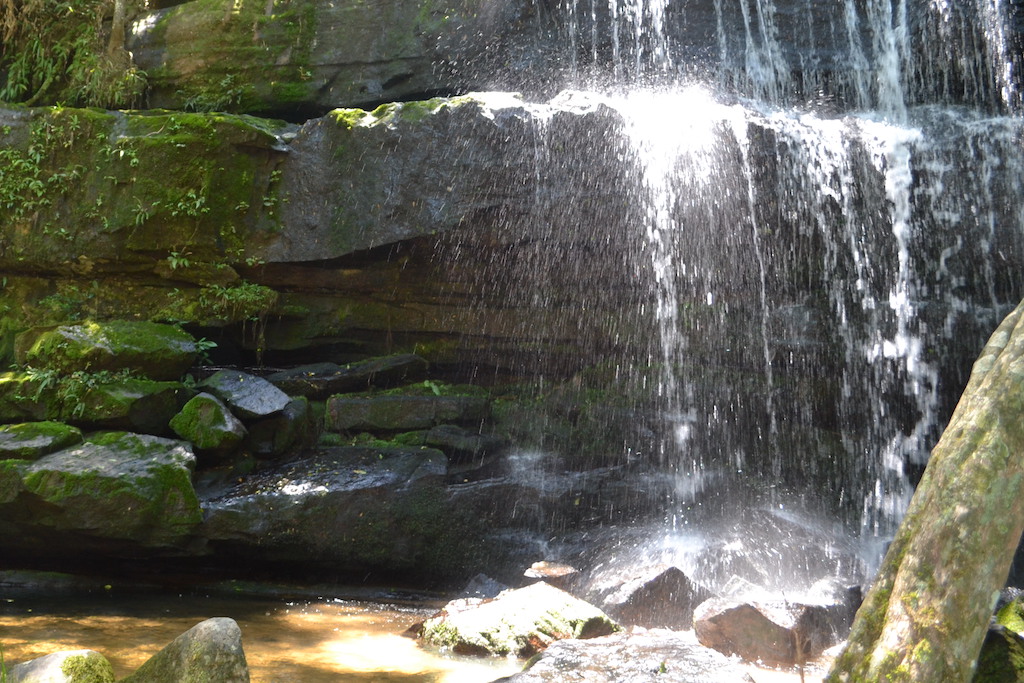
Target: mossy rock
<point>24,398</point>
<point>1002,657</point>
<point>208,424</point>
<point>32,440</point>
<point>131,403</point>
<point>117,485</point>
<point>518,622</point>
<point>1011,615</point>
<point>11,484</point>
<point>209,652</point>
<point>151,349</point>
<point>72,666</point>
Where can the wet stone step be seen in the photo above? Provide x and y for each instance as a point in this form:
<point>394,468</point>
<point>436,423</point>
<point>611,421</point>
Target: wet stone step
<point>320,380</point>
<point>399,413</point>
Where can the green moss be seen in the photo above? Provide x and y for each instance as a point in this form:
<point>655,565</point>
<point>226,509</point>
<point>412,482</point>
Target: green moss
<point>84,184</point>
<point>32,439</point>
<point>412,112</point>
<point>280,42</point>
<point>349,118</point>
<point>87,669</point>
<point>1012,616</point>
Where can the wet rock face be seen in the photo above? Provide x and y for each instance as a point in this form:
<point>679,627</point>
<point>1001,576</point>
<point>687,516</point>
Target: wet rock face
<point>314,56</point>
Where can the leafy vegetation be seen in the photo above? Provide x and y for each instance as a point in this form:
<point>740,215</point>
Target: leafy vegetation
<point>72,389</point>
<point>55,51</point>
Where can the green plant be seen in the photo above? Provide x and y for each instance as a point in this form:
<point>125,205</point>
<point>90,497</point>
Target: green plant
<point>55,50</point>
<point>178,259</point>
<point>223,96</point>
<point>204,346</point>
<point>71,390</point>
<point>192,204</point>
<point>244,301</point>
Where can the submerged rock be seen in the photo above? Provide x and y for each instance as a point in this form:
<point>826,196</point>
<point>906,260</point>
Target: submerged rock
<point>154,350</point>
<point>209,651</point>
<point>71,666</point>
<point>517,622</point>
<point>646,657</point>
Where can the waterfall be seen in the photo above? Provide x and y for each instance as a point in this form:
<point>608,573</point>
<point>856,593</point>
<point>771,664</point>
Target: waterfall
<point>826,213</point>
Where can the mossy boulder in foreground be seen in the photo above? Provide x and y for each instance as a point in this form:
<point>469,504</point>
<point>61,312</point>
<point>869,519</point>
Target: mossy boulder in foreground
<point>209,652</point>
<point>518,622</point>
<point>70,666</point>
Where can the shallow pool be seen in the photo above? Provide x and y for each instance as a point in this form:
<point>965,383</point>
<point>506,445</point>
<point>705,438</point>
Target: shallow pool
<point>307,641</point>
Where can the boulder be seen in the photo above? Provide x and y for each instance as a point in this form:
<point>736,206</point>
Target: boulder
<point>321,380</point>
<point>402,413</point>
<point>97,400</point>
<point>1002,651</point>
<point>154,350</point>
<point>23,397</point>
<point>209,651</point>
<point>463,444</point>
<point>208,424</point>
<point>644,657</point>
<point>663,597</point>
<point>248,396</point>
<point>353,512</point>
<point>116,486</point>
<point>777,634</point>
<point>32,440</point>
<point>1001,659</point>
<point>518,622</point>
<point>11,483</point>
<point>275,435</point>
<point>130,404</point>
<point>70,666</point>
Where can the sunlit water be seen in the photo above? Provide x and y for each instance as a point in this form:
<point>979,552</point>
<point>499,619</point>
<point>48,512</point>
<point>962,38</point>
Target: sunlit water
<point>310,641</point>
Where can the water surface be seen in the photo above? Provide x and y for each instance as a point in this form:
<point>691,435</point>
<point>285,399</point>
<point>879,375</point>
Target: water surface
<point>312,641</point>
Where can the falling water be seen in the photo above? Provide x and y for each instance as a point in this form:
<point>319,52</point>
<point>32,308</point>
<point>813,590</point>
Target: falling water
<point>828,189</point>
